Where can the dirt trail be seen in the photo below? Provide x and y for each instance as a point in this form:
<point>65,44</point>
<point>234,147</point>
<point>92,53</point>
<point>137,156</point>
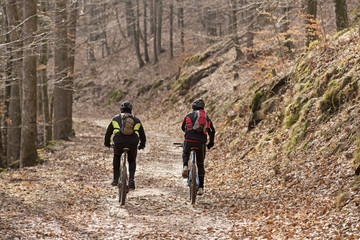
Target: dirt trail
<point>70,197</point>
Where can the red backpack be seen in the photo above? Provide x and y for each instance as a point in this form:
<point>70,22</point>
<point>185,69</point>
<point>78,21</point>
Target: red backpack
<point>200,123</point>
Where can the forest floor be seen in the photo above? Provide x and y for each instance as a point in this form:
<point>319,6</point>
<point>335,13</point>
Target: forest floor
<point>69,196</point>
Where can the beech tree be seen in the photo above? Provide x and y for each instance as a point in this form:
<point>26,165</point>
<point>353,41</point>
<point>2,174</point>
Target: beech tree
<point>181,24</point>
<point>154,28</point>
<point>15,76</point>
<point>159,19</point>
<point>28,153</point>
<point>310,15</point>
<point>341,14</point>
<point>234,27</point>
<point>63,86</point>
<point>171,30</point>
<point>145,40</point>
<point>43,78</point>
<point>7,65</point>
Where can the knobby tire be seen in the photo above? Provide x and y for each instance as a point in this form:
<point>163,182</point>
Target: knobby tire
<point>193,185</point>
<point>123,180</point>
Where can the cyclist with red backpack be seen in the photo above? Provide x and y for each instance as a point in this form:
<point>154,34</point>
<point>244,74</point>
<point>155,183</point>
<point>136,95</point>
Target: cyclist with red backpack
<point>128,132</point>
<point>197,125</point>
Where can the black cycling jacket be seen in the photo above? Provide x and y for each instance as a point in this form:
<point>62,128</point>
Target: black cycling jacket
<point>195,136</point>
<point>113,129</point>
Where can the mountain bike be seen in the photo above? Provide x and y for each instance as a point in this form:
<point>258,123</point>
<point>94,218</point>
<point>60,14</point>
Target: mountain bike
<point>123,180</point>
<point>193,179</point>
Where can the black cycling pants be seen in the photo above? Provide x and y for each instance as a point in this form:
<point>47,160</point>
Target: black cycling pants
<point>200,156</point>
<point>118,151</point>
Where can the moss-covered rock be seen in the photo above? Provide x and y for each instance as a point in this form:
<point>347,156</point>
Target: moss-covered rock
<point>340,91</point>
<point>263,101</point>
<point>146,88</point>
<point>114,96</point>
<point>128,81</point>
<point>187,80</point>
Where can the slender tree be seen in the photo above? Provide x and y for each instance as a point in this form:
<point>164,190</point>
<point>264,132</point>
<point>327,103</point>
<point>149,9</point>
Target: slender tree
<point>72,22</point>
<point>14,131</point>
<point>233,26</point>
<point>171,34</point>
<point>43,60</point>
<point>284,29</point>
<point>181,24</point>
<point>146,52</point>
<point>63,85</point>
<point>28,154</point>
<point>7,92</point>
<point>342,21</point>
<point>152,23</point>
<point>159,25</point>
<point>154,20</point>
<point>310,16</point>
<point>132,21</point>
<point>250,16</point>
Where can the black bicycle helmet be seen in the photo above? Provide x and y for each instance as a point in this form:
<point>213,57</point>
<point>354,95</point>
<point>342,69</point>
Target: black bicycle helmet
<point>126,107</point>
<point>198,104</point>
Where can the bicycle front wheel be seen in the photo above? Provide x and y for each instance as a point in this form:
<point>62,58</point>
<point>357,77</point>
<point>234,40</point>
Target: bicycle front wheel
<point>123,182</point>
<point>193,185</point>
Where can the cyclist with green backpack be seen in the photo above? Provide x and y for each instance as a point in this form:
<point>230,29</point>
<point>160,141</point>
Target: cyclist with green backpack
<point>128,132</point>
<point>197,125</point>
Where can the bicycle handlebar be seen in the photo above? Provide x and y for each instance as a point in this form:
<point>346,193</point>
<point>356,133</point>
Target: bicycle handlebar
<point>179,144</point>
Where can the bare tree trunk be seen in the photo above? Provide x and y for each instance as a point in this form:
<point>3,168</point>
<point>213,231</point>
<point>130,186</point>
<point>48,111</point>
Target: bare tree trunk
<point>159,26</point>
<point>154,17</point>
<point>28,153</point>
<point>233,25</point>
<point>72,22</point>
<point>342,20</point>
<point>93,30</point>
<point>119,23</point>
<point>250,33</point>
<point>152,23</point>
<point>146,53</point>
<point>181,24</point>
<point>171,41</point>
<point>14,131</point>
<point>104,18</point>
<point>47,136</point>
<point>138,34</point>
<point>311,11</point>
<point>63,87</point>
<point>288,43</point>
<point>210,18</point>
<point>8,71</point>
<point>134,31</point>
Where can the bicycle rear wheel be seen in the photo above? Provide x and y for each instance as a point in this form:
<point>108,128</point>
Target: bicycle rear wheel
<point>123,180</point>
<point>193,185</point>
